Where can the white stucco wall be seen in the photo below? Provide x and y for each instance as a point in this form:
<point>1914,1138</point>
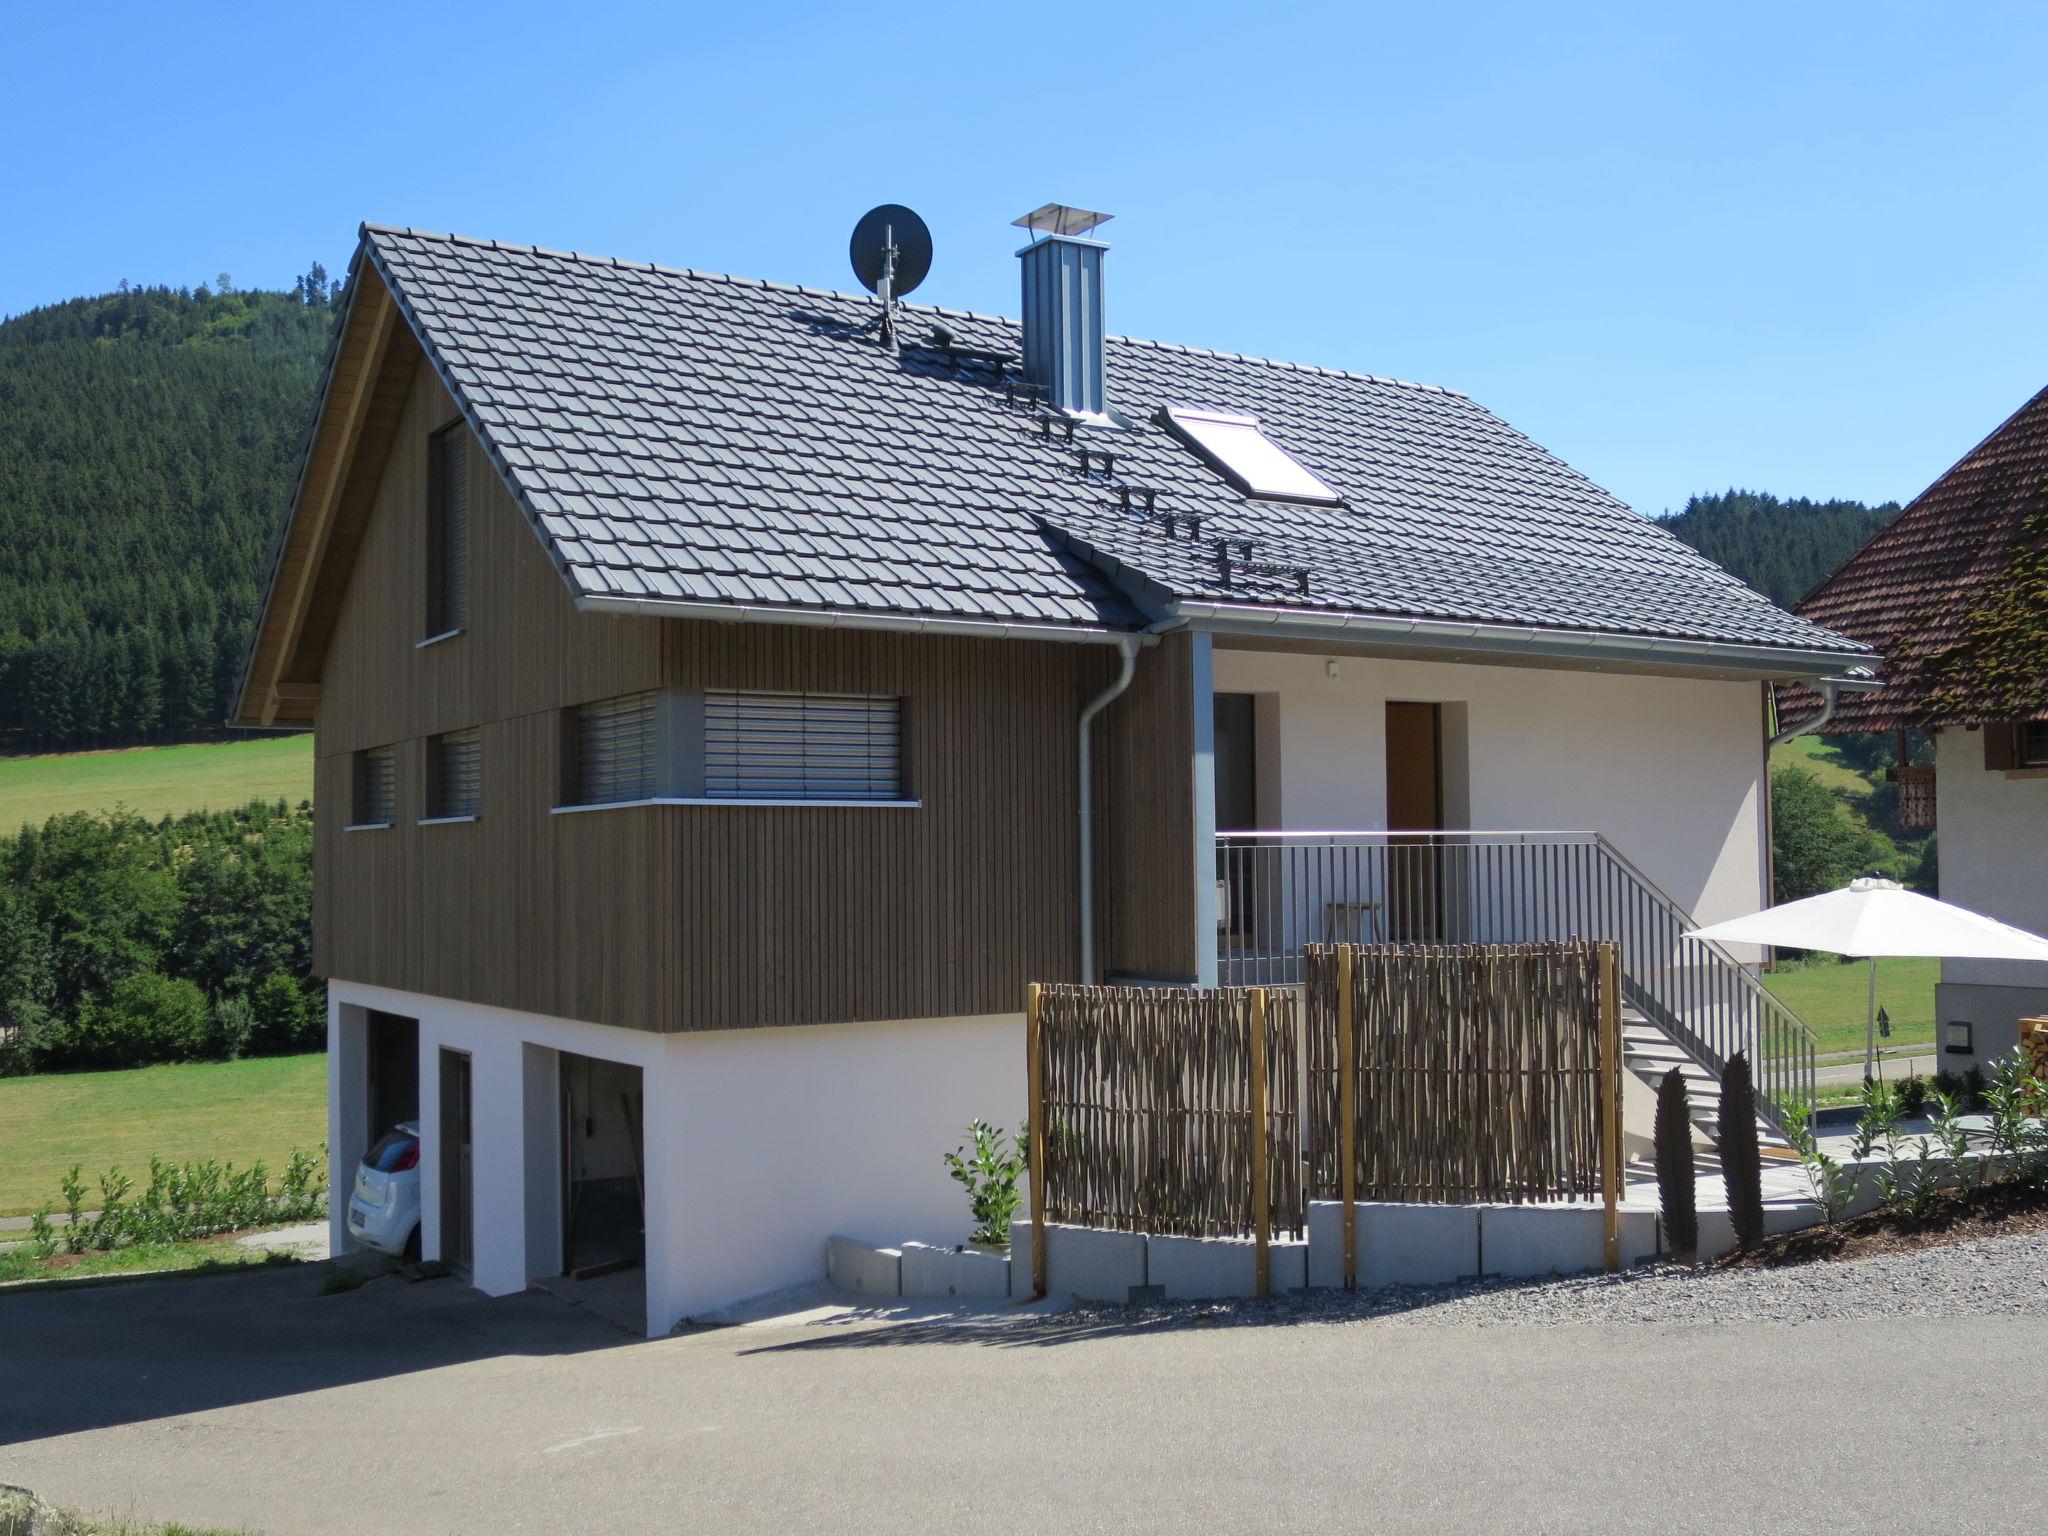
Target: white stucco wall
<point>1670,769</point>
<point>1994,850</point>
<point>759,1143</point>
<point>1994,859</point>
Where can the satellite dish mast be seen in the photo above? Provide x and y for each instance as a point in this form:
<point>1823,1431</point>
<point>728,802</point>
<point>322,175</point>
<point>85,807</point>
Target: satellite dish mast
<point>891,251</point>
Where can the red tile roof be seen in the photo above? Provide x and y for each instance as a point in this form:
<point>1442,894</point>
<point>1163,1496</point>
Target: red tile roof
<point>1954,592</point>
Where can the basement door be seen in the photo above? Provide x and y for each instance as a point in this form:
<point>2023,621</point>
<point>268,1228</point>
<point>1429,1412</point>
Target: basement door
<point>1415,803</point>
<point>604,1178</point>
<point>458,1172</point>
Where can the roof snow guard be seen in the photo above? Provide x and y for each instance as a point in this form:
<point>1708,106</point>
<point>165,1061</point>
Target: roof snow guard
<point>691,443</point>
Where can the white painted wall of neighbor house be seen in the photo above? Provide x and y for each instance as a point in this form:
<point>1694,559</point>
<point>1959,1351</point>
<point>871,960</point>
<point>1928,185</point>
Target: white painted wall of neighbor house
<point>760,1144</point>
<point>1670,769</point>
<point>1994,851</point>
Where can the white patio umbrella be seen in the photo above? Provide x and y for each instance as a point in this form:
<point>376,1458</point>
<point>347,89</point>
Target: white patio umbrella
<point>1874,918</point>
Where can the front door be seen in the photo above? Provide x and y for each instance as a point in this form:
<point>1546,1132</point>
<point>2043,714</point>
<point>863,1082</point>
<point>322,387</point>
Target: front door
<point>457,1181</point>
<point>1415,804</point>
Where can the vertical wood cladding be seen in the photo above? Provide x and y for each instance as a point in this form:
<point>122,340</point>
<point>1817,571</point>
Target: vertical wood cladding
<point>689,917</point>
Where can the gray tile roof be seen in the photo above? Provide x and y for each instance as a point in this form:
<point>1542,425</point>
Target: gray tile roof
<point>677,435</point>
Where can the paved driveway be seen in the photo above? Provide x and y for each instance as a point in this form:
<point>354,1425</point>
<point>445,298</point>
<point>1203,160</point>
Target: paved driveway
<point>250,1400</point>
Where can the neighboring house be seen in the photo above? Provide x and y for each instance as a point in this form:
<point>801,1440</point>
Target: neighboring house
<point>701,683</point>
<point>1954,593</point>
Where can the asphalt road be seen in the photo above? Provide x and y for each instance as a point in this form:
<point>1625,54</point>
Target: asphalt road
<point>250,1401</point>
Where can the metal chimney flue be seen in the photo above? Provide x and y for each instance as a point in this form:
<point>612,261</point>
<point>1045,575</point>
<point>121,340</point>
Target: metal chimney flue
<point>1063,311</point>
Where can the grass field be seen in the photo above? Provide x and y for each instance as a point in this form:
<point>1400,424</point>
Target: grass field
<point>19,1264</point>
<point>1833,999</point>
<point>1822,761</point>
<point>237,1111</point>
<point>156,781</point>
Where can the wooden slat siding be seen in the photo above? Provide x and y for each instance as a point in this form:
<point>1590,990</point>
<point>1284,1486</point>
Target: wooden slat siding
<point>718,917</point>
<point>1144,798</point>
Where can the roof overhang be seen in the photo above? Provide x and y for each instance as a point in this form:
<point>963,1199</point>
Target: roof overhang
<point>1526,645</point>
<point>280,682</point>
<point>845,618</point>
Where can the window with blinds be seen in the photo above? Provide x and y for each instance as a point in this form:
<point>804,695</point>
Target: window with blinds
<point>455,774</point>
<point>802,746</point>
<point>376,788</point>
<point>615,749</point>
<point>447,530</point>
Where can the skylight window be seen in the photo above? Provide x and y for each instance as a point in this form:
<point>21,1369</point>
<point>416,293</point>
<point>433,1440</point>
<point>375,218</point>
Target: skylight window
<point>1247,458</point>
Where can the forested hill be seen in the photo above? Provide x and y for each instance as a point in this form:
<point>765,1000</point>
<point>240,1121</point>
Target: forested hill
<point>147,442</point>
<point>1782,548</point>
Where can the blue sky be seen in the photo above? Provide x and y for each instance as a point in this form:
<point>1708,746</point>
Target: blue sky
<point>1795,247</point>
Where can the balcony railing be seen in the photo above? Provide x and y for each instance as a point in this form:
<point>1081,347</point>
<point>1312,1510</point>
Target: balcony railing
<point>1277,891</point>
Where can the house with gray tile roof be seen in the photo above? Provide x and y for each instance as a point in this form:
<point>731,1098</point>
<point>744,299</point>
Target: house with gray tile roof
<point>731,693</point>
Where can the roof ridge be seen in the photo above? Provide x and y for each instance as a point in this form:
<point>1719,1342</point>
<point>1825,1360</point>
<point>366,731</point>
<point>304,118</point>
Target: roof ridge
<point>371,227</point>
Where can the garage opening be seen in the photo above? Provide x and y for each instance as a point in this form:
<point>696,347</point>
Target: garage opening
<point>458,1174</point>
<point>394,1058</point>
<point>604,1191</point>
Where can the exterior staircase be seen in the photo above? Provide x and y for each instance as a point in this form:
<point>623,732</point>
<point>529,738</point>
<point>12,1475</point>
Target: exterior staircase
<point>1649,1052</point>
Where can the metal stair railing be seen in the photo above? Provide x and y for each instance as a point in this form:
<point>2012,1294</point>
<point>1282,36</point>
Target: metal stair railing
<point>1277,891</point>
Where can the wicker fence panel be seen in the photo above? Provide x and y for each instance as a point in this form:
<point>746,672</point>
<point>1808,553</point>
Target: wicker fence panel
<point>1478,1071</point>
<point>1148,1124</point>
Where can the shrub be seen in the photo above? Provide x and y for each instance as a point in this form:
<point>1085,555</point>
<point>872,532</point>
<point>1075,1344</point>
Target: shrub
<point>1742,1167</point>
<point>288,1016</point>
<point>231,1028</point>
<point>181,1203</point>
<point>148,1018</point>
<point>1912,1096</point>
<point>1832,1185</point>
<point>1676,1190</point>
<point>990,1176</point>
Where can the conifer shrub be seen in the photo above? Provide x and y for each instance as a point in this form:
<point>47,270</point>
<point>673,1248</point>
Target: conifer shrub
<point>1675,1172</point>
<point>1742,1166</point>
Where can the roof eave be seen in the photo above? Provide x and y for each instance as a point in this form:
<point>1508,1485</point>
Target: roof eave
<point>844,618</point>
<point>1766,663</point>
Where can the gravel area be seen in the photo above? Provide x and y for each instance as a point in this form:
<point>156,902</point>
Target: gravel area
<point>1993,1276</point>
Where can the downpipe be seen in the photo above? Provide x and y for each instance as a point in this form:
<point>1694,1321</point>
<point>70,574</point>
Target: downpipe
<point>1127,650</point>
<point>1831,694</point>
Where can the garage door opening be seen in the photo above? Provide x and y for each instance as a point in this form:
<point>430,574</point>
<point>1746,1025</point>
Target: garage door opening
<point>603,1164</point>
<point>394,1055</point>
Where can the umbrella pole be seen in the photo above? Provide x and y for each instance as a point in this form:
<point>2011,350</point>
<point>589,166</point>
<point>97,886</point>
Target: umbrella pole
<point>1870,1027</point>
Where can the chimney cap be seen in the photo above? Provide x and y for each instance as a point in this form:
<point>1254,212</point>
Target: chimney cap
<point>1059,219</point>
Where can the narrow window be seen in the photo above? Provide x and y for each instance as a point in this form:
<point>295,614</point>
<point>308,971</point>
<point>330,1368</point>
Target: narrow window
<point>615,750</point>
<point>455,775</point>
<point>447,530</point>
<point>376,788</point>
<point>2034,744</point>
<point>802,746</point>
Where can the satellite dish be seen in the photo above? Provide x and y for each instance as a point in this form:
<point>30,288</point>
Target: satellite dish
<point>891,250</point>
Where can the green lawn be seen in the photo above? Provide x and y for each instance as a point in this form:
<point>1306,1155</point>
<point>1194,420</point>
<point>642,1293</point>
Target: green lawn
<point>156,781</point>
<point>237,1111</point>
<point>1834,1001</point>
<point>18,1264</point>
<point>1822,761</point>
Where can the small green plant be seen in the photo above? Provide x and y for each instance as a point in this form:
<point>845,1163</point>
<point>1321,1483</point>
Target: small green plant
<point>1883,1106</point>
<point>1954,1143</point>
<point>990,1175</point>
<point>1677,1191</point>
<point>1742,1163</point>
<point>1912,1096</point>
<point>1833,1186</point>
<point>73,1188</point>
<point>42,1237</point>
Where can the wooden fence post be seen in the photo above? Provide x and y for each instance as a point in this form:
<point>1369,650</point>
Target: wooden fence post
<point>1347,1113</point>
<point>1034,1071</point>
<point>1262,1194</point>
<point>1610,1097</point>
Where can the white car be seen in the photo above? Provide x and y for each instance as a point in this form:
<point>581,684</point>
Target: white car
<point>384,1207</point>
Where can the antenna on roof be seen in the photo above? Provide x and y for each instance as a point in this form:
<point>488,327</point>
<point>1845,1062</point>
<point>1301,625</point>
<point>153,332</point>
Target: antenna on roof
<point>891,251</point>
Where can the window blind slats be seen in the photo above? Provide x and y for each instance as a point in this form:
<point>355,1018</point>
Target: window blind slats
<point>458,774</point>
<point>615,750</point>
<point>376,787</point>
<point>777,746</point>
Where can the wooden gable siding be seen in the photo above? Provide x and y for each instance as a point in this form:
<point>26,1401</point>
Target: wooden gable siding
<point>681,917</point>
